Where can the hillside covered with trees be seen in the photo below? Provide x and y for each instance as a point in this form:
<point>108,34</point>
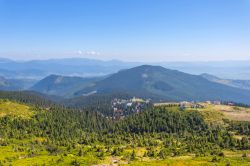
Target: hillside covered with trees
<point>58,136</point>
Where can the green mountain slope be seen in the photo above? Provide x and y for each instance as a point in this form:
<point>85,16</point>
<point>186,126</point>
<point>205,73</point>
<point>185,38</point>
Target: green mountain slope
<point>15,84</point>
<point>156,81</point>
<point>62,85</point>
<point>31,97</point>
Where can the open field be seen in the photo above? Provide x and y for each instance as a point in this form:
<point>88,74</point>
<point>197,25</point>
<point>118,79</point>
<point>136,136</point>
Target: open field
<point>14,109</point>
<point>216,113</point>
<point>188,161</point>
<point>234,112</point>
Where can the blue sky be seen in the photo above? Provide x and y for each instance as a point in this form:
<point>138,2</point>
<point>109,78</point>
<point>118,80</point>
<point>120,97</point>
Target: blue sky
<point>130,30</point>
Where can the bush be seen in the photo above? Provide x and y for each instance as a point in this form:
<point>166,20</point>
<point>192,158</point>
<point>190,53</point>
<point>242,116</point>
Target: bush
<point>52,149</point>
<point>75,163</point>
<point>221,154</point>
<point>215,159</point>
<point>133,155</point>
<point>244,155</point>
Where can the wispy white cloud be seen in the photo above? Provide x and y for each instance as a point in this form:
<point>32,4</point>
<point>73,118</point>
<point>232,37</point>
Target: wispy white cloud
<point>80,52</point>
<point>92,53</point>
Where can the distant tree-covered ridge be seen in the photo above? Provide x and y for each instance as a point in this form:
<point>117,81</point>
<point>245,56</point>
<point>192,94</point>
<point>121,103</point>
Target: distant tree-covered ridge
<point>157,83</point>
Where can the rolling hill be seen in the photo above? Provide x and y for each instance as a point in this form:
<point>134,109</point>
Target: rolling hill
<point>62,85</point>
<point>242,84</point>
<point>5,84</point>
<point>15,84</point>
<point>31,97</point>
<point>162,83</point>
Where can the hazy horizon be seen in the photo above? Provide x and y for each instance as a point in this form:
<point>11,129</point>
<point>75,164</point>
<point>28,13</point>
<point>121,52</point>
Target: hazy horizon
<point>126,61</point>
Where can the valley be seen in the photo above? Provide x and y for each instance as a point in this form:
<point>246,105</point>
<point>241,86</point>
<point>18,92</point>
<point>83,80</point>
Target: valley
<point>145,115</point>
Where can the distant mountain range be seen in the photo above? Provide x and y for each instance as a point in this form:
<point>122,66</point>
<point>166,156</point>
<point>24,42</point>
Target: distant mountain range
<point>82,67</point>
<point>68,78</point>
<point>242,84</point>
<point>38,69</point>
<point>158,82</point>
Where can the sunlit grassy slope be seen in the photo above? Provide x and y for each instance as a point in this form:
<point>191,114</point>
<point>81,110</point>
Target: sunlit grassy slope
<point>216,113</point>
<point>189,161</point>
<point>14,109</point>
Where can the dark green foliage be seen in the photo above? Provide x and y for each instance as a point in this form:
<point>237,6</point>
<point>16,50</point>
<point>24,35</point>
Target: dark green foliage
<point>95,102</point>
<point>75,163</point>
<point>240,127</point>
<point>133,155</point>
<point>52,149</point>
<point>175,132</point>
<point>164,120</point>
<point>117,151</point>
<point>29,97</point>
<point>215,159</point>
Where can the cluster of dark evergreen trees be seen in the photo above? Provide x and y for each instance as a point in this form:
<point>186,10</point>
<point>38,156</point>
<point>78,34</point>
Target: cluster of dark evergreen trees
<point>29,97</point>
<point>180,131</point>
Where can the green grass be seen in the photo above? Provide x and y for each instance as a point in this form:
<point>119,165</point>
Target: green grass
<point>192,161</point>
<point>216,113</point>
<point>14,109</point>
<point>55,160</point>
<point>25,152</point>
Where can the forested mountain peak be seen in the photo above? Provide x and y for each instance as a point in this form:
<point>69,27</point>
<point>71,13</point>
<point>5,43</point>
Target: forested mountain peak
<point>159,82</point>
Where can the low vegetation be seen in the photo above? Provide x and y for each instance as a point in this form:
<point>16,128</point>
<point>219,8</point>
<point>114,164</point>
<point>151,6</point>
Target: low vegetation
<point>10,108</point>
<point>162,135</point>
<point>216,113</point>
